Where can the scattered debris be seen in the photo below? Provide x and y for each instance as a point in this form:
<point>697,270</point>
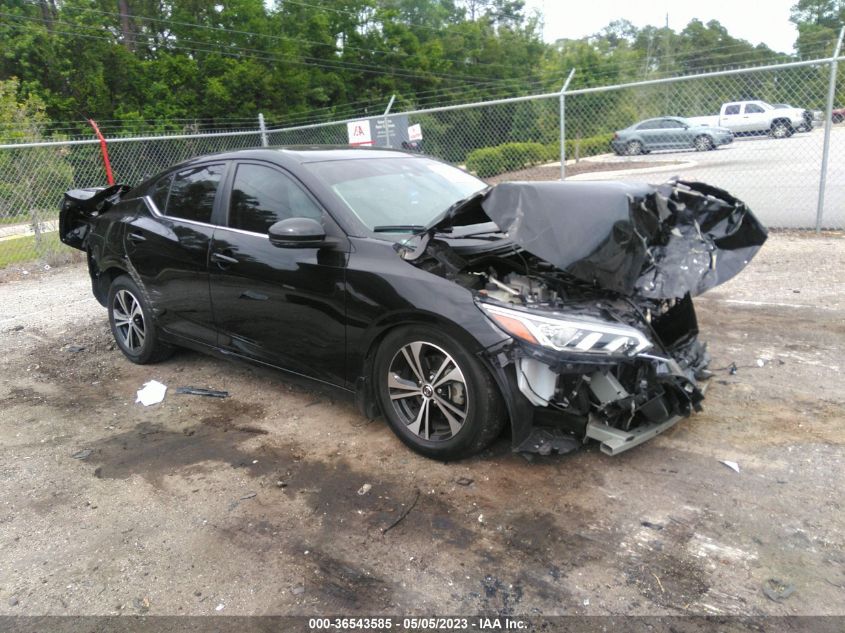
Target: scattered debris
<point>152,393</point>
<point>141,604</point>
<point>85,453</point>
<point>463,481</point>
<point>74,349</point>
<point>220,607</point>
<point>16,328</point>
<point>199,391</point>
<point>364,489</point>
<point>651,526</point>
<point>732,465</point>
<point>405,512</point>
<point>732,369</point>
<point>13,601</point>
<point>281,484</point>
<point>249,496</point>
<point>298,590</point>
<point>760,362</point>
<point>778,590</point>
<point>659,584</point>
<point>481,518</point>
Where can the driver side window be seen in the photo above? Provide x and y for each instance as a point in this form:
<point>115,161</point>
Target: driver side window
<point>262,196</point>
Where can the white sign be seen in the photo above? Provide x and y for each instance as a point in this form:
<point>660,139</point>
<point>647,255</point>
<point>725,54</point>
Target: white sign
<point>359,133</point>
<point>415,132</point>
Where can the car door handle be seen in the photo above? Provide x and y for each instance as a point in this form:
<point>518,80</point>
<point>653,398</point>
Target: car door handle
<point>220,258</point>
<point>136,237</point>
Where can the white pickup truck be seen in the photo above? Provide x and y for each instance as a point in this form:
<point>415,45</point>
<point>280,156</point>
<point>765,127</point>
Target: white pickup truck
<point>758,117</point>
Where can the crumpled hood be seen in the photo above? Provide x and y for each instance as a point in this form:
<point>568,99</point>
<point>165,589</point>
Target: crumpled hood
<point>657,242</point>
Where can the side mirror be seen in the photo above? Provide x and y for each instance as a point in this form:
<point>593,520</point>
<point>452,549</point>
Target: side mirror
<point>297,233</point>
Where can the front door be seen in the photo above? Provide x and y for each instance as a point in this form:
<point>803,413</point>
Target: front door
<point>282,306</point>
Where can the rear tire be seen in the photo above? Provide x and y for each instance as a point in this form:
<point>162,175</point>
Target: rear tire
<point>133,324</point>
<point>838,118</point>
<point>437,397</point>
<point>634,148</point>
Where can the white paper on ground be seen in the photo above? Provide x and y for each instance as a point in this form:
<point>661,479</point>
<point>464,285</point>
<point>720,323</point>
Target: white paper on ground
<point>152,393</point>
<point>732,465</point>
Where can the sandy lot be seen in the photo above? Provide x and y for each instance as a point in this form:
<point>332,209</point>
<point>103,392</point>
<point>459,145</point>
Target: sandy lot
<point>251,505</point>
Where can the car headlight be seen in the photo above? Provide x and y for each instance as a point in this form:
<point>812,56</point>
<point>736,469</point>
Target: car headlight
<point>568,334</point>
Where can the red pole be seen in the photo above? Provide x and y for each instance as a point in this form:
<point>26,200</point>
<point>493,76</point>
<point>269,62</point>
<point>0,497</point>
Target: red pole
<point>104,150</point>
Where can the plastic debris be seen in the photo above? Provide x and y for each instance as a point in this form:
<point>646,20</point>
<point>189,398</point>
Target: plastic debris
<point>199,391</point>
<point>365,489</point>
<point>463,481</point>
<point>732,465</point>
<point>85,453</point>
<point>778,590</point>
<point>152,393</point>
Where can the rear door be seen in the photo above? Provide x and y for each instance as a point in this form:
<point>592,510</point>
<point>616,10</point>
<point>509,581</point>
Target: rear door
<point>169,248</point>
<point>731,117</point>
<point>650,132</point>
<point>282,306</point>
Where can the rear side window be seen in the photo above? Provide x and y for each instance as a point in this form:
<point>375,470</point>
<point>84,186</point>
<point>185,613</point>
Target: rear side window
<point>192,193</point>
<point>732,109</point>
<point>649,125</point>
<point>160,191</point>
<point>671,124</point>
<point>753,108</point>
<point>262,196</point>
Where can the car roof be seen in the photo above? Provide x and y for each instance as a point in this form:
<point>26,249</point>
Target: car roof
<point>303,154</point>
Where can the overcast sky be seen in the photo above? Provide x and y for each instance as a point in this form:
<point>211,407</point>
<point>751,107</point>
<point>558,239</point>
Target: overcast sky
<point>756,22</point>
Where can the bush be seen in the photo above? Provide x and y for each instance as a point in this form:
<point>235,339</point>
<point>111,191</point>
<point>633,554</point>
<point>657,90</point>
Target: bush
<point>491,161</point>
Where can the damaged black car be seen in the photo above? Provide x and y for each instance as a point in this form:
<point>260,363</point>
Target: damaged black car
<point>560,310</point>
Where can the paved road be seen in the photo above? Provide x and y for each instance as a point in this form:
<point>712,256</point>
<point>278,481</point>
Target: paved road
<point>13,231</point>
<point>778,179</point>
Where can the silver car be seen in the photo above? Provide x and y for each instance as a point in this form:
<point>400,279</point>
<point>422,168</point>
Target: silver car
<point>668,132</point>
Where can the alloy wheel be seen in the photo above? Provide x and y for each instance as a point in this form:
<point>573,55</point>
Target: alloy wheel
<point>428,391</point>
<point>129,321</point>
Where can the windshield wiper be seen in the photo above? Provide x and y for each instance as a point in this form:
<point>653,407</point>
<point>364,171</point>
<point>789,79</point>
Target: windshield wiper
<point>399,228</point>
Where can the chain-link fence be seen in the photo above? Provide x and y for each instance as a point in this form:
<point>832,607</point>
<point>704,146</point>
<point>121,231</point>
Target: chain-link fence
<point>759,133</point>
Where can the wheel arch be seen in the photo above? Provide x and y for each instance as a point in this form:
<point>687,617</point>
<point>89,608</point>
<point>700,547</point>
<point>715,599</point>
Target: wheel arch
<point>365,398</point>
<point>102,278</point>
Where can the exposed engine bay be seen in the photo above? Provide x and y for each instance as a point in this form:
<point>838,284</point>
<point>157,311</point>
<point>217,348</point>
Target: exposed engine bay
<point>605,340</point>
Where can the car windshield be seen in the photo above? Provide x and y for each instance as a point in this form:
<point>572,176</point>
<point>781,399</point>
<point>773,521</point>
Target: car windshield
<point>396,195</point>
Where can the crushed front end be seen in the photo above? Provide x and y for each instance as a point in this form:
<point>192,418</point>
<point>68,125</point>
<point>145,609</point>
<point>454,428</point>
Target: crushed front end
<point>596,297</point>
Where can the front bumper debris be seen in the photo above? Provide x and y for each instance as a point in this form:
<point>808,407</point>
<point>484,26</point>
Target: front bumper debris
<point>614,441</point>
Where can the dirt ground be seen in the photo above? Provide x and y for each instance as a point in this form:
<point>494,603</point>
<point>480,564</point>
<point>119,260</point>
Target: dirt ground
<point>254,504</point>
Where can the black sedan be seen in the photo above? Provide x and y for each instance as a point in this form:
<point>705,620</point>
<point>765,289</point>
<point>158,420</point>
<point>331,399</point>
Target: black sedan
<point>454,309</point>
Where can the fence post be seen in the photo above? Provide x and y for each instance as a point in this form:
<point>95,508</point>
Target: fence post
<point>387,121</point>
<point>828,123</point>
<point>262,130</point>
<point>563,124</point>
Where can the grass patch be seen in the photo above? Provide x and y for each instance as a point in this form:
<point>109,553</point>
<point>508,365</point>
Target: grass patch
<point>26,249</point>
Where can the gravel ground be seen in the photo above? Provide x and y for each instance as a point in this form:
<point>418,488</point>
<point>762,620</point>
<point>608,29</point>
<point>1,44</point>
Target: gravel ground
<point>257,504</point>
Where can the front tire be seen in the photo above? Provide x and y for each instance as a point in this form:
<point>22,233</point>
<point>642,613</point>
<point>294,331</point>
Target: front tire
<point>781,129</point>
<point>703,143</point>
<point>133,325</point>
<point>437,397</point>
